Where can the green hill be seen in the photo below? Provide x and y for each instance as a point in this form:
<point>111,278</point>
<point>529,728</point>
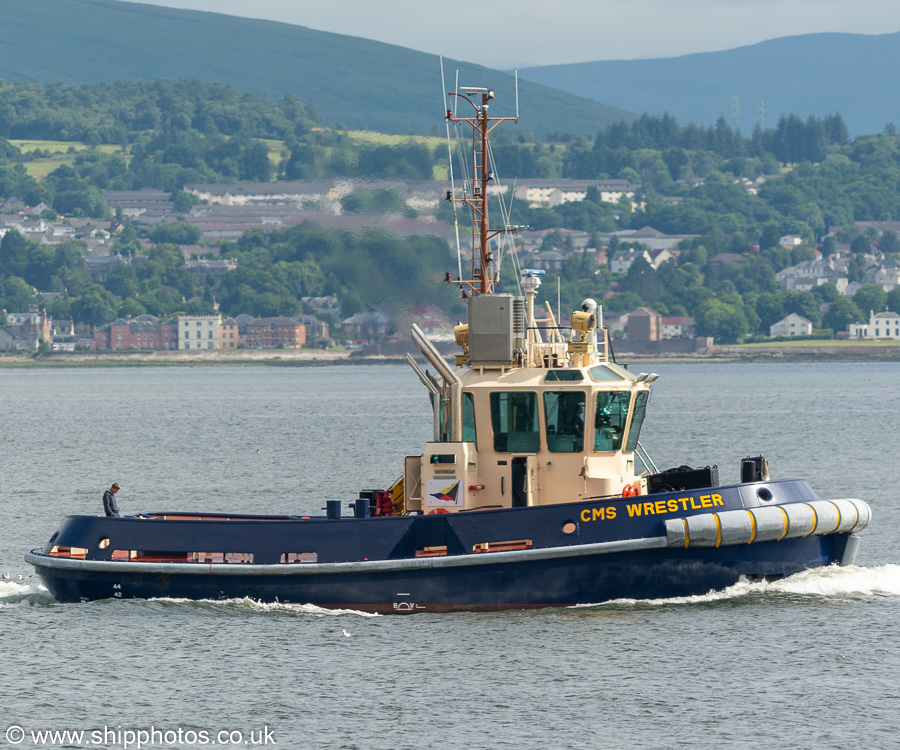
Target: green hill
<point>360,83</point>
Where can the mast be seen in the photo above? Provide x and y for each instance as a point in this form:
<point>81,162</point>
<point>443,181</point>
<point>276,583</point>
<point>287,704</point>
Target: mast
<point>475,194</point>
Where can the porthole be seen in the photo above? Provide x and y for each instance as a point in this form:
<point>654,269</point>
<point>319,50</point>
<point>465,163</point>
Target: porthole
<point>569,527</point>
<point>764,494</point>
<point>103,543</point>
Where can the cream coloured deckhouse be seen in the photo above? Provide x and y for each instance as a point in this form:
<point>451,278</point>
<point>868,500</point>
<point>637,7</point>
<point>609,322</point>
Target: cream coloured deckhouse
<point>525,421</point>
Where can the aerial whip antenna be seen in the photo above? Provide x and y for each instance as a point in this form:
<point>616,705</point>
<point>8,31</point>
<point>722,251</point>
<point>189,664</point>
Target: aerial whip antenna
<point>517,94</point>
<point>450,167</point>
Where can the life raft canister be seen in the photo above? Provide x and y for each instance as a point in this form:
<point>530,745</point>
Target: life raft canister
<point>630,490</point>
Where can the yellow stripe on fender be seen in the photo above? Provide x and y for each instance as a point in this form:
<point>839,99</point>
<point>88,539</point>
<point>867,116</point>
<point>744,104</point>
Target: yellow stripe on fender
<point>815,519</point>
<point>786,523</point>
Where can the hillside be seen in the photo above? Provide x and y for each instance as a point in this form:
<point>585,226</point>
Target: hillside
<point>360,83</point>
<point>814,74</point>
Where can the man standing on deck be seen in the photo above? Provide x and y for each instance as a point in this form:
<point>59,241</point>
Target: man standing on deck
<point>110,506</point>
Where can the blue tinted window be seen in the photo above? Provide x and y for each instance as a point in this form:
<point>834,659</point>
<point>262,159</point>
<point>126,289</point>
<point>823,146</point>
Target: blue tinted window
<point>514,417</point>
<point>637,419</point>
<point>610,419</point>
<point>564,415</point>
<point>468,417</point>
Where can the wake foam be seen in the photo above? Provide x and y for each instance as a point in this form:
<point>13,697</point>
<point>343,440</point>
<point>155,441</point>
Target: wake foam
<point>252,605</point>
<point>24,592</point>
<point>849,583</point>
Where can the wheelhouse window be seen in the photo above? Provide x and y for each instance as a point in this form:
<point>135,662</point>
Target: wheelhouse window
<point>637,419</point>
<point>605,373</point>
<point>468,419</point>
<point>610,419</point>
<point>564,416</point>
<point>514,417</point>
<point>560,375</point>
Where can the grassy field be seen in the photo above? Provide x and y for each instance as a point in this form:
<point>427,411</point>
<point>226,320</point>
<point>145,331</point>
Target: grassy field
<point>61,152</point>
<point>372,138</point>
<point>276,150</point>
<point>64,152</point>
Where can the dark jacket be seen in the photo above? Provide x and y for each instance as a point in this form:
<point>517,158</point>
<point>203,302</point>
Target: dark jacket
<point>110,506</point>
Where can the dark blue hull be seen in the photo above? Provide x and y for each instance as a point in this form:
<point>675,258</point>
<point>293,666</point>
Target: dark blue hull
<point>648,574</point>
<point>649,547</point>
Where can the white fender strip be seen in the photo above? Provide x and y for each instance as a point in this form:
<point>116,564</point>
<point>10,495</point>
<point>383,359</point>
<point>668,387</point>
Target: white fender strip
<point>769,523</point>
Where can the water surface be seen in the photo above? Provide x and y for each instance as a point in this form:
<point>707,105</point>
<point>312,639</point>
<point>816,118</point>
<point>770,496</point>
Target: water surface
<point>802,663</point>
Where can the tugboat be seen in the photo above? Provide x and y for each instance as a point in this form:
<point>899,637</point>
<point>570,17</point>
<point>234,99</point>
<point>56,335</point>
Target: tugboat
<point>535,490</point>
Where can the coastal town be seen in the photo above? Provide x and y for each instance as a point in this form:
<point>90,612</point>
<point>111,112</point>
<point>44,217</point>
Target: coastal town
<point>225,212</point>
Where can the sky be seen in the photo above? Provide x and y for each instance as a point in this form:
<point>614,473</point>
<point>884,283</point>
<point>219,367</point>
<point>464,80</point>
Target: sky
<point>521,33</point>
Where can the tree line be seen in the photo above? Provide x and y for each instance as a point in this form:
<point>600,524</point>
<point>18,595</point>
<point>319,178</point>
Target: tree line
<point>808,176</point>
<point>366,270</point>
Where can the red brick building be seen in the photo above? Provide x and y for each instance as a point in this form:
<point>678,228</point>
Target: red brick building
<point>275,333</point>
<point>144,332</point>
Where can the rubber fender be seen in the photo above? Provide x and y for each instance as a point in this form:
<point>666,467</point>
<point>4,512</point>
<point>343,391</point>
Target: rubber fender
<point>768,523</point>
<point>801,519</point>
<point>737,527</point>
<point>703,530</point>
<point>828,517</point>
<point>676,532</point>
<point>849,516</point>
<point>865,514</point>
<point>855,514</point>
<point>771,523</point>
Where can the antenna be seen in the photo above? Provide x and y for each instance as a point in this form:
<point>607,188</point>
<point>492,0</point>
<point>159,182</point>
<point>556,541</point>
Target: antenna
<point>761,115</point>
<point>736,113</point>
<point>443,86</point>
<point>456,98</point>
<point>517,94</point>
<point>558,300</point>
<point>450,169</point>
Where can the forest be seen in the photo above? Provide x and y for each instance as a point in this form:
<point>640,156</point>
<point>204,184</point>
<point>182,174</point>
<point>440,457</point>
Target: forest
<point>167,134</point>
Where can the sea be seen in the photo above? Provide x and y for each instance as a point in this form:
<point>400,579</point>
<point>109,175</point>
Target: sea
<point>807,662</point>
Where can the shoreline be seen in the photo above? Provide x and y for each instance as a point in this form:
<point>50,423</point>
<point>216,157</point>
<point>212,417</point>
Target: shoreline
<point>176,358</point>
<point>320,358</point>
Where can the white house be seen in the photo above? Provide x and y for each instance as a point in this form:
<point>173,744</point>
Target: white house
<point>825,269</point>
<point>622,259</point>
<point>677,327</point>
<point>549,192</point>
<point>792,325</point>
<point>883,325</point>
<point>652,238</point>
<point>199,331</point>
<point>791,240</point>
